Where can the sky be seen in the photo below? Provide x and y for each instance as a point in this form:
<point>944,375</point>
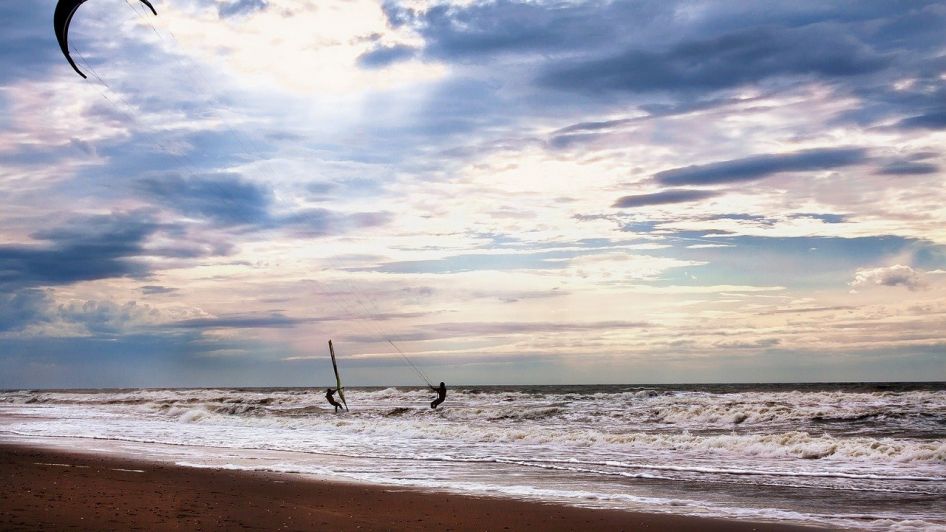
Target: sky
<point>509,192</point>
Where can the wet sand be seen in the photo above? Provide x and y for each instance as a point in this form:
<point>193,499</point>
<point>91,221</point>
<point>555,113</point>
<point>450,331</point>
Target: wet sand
<point>48,489</point>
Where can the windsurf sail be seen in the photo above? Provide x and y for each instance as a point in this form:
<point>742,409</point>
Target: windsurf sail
<point>338,380</point>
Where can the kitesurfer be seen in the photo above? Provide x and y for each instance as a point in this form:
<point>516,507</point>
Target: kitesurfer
<point>441,395</point>
<point>330,395</point>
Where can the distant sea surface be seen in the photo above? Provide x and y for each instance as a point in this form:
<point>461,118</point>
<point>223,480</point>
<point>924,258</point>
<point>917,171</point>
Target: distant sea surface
<point>870,456</point>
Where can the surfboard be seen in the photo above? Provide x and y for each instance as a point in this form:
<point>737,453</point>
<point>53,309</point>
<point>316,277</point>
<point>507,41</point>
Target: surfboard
<point>338,379</point>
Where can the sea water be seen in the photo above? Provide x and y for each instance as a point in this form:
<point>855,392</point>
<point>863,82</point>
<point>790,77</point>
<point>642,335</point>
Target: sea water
<point>844,455</point>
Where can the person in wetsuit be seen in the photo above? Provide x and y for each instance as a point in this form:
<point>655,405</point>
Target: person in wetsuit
<point>330,395</point>
<point>441,395</point>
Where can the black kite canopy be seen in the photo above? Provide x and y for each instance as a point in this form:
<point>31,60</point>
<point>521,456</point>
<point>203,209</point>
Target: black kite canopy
<point>65,9</point>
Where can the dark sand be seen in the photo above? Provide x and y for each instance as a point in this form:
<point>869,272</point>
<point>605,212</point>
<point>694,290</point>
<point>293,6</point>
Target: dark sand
<point>55,490</point>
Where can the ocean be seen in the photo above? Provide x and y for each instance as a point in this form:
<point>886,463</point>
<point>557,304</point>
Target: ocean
<point>867,456</point>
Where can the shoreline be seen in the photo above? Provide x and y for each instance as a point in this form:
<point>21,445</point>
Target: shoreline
<point>49,488</point>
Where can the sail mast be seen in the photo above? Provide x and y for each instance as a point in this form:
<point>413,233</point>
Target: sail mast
<point>338,379</point>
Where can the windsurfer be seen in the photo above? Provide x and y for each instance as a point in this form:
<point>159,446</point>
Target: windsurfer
<point>330,395</point>
<point>441,395</point>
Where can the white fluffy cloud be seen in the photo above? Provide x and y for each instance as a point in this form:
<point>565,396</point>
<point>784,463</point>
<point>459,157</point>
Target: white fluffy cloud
<point>896,275</point>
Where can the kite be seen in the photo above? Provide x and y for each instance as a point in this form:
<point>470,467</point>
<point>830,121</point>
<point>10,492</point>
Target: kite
<point>65,9</point>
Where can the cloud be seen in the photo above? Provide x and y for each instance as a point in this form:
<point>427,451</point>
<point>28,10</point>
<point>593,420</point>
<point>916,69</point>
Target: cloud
<point>322,222</point>
<point>787,261</point>
<point>824,217</point>
<point>584,127</point>
<point>239,7</point>
<point>275,320</point>
<point>908,168</point>
<point>663,198</point>
<point>805,310</point>
<point>265,321</point>
<point>760,166</point>
<point>479,262</point>
<point>86,249</point>
<point>626,267</point>
<point>437,331</point>
<point>107,317</point>
<point>561,142</point>
<point>21,309</point>
<point>35,307</point>
<point>225,199</point>
<point>635,227</point>
<point>26,49</point>
<point>229,201</point>
<point>156,289</point>
<point>896,275</point>
<point>493,29</point>
<point>931,120</point>
<point>754,218</point>
<point>761,343</point>
<point>383,56</point>
<point>730,60</point>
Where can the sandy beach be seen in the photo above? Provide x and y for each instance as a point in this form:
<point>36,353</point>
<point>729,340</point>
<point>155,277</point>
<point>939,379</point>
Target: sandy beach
<point>45,489</point>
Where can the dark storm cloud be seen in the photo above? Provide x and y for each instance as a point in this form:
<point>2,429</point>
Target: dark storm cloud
<point>760,166</point>
<point>590,62</point>
<point>663,198</point>
<point>97,247</point>
<point>731,60</point>
<point>89,248</point>
<point>598,51</point>
<point>383,56</point>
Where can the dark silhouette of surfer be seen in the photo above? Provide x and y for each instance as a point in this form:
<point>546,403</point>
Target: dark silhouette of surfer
<point>330,395</point>
<point>441,395</point>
